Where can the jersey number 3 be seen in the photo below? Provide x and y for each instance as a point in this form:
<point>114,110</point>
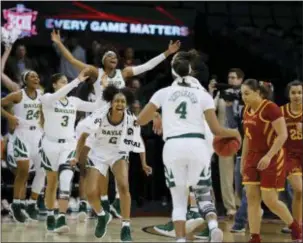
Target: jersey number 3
<point>182,110</point>
<point>64,123</point>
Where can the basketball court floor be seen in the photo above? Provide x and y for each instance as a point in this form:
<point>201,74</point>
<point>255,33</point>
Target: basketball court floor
<point>142,231</point>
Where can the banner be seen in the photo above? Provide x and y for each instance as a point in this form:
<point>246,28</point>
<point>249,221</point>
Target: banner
<point>88,20</point>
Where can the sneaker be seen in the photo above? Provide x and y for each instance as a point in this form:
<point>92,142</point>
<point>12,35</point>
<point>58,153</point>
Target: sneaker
<point>216,235</point>
<point>238,228</point>
<point>204,235</point>
<point>125,235</point>
<point>255,239</point>
<point>115,208</point>
<point>106,205</point>
<point>17,213</point>
<point>50,223</point>
<point>101,226</point>
<point>82,211</point>
<point>193,220</point>
<point>23,209</point>
<point>32,211</point>
<point>231,213</point>
<point>61,226</point>
<point>286,230</point>
<point>166,229</point>
<point>296,232</point>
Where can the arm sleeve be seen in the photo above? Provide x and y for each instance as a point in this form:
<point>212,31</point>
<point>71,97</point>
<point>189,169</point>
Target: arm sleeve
<point>272,112</point>
<point>157,98</point>
<point>50,98</point>
<point>148,65</point>
<point>87,106</point>
<point>207,101</point>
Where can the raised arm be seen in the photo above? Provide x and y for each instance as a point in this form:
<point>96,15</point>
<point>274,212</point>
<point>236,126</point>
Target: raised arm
<point>55,36</point>
<point>5,56</point>
<point>8,83</point>
<point>134,71</point>
<point>48,98</point>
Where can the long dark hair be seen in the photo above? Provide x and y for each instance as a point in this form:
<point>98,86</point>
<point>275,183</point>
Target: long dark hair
<point>265,88</point>
<point>111,90</point>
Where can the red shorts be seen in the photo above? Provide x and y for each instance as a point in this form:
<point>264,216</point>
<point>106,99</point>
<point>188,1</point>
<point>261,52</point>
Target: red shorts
<point>293,163</point>
<point>273,177</point>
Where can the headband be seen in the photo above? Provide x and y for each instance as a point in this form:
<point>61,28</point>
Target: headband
<point>24,75</point>
<point>107,54</point>
<point>174,73</point>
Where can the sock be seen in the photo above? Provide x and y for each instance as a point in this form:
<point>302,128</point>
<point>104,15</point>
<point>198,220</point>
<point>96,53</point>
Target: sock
<point>102,213</point>
<point>83,201</point>
<point>50,212</point>
<point>117,195</point>
<point>183,239</point>
<point>104,198</point>
<point>16,201</point>
<point>212,224</point>
<point>61,215</point>
<point>22,201</point>
<point>194,209</point>
<point>32,201</point>
<point>125,223</point>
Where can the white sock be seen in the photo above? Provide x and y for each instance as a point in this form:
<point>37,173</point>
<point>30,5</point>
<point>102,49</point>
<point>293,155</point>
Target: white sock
<point>61,215</point>
<point>22,201</point>
<point>212,224</point>
<point>16,201</point>
<point>32,201</point>
<point>125,223</point>
<point>50,212</point>
<point>104,198</point>
<point>181,240</point>
<point>102,213</point>
<point>194,209</point>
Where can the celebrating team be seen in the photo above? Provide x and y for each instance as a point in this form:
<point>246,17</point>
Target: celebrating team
<point>45,132</point>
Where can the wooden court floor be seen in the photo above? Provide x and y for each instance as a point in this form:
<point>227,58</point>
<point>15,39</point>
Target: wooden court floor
<point>141,232</point>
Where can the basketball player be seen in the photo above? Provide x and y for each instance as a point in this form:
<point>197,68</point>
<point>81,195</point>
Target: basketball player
<point>58,143</point>
<point>263,157</point>
<point>293,147</point>
<point>110,129</point>
<point>184,107</point>
<point>26,109</point>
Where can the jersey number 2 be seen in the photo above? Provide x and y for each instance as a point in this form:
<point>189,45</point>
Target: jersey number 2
<point>65,121</point>
<point>181,109</point>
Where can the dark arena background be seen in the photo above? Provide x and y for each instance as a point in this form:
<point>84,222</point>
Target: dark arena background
<point>263,39</point>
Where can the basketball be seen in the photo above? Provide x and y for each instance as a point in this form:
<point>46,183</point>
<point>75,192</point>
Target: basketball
<point>226,146</point>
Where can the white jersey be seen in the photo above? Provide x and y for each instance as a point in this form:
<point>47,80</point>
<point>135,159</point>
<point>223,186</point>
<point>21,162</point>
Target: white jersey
<point>107,139</point>
<point>182,109</point>
<point>117,80</point>
<point>60,117</point>
<point>28,110</point>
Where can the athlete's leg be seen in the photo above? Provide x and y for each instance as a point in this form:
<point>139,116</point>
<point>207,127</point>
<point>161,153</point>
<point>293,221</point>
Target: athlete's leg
<point>50,198</point>
<point>296,184</point>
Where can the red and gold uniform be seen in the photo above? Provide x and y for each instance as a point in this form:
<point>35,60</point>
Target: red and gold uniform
<point>260,135</point>
<point>293,145</point>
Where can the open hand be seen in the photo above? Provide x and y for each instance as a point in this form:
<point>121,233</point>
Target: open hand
<point>173,47</point>
<point>55,36</point>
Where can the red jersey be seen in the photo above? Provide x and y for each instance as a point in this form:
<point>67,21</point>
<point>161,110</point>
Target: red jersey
<point>294,140</point>
<point>258,128</point>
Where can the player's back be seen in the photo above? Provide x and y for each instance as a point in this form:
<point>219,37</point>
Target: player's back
<point>182,110</point>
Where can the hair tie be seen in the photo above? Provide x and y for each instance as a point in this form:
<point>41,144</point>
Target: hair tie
<point>107,54</point>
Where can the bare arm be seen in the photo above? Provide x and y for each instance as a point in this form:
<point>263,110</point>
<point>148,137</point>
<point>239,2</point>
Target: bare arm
<point>215,127</point>
<point>9,100</point>
<point>8,83</point>
<point>244,152</point>
<point>5,57</point>
<point>279,126</point>
<point>147,114</point>
<point>93,71</point>
<point>80,145</point>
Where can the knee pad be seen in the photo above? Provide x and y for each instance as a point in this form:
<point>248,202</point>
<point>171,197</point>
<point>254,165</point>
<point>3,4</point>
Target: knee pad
<point>66,175</point>
<point>204,200</point>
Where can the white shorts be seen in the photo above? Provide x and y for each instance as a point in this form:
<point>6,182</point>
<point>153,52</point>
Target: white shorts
<point>102,161</point>
<point>26,144</point>
<point>11,161</point>
<point>55,152</point>
<point>186,162</point>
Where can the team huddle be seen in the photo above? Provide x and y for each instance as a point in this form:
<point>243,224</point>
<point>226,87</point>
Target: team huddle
<point>47,139</point>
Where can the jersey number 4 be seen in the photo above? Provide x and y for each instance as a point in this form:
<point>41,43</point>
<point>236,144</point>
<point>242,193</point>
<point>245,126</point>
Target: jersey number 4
<point>64,123</point>
<point>182,110</point>
<point>31,114</point>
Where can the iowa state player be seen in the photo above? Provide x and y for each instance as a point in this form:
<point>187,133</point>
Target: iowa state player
<point>263,157</point>
<point>293,146</point>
